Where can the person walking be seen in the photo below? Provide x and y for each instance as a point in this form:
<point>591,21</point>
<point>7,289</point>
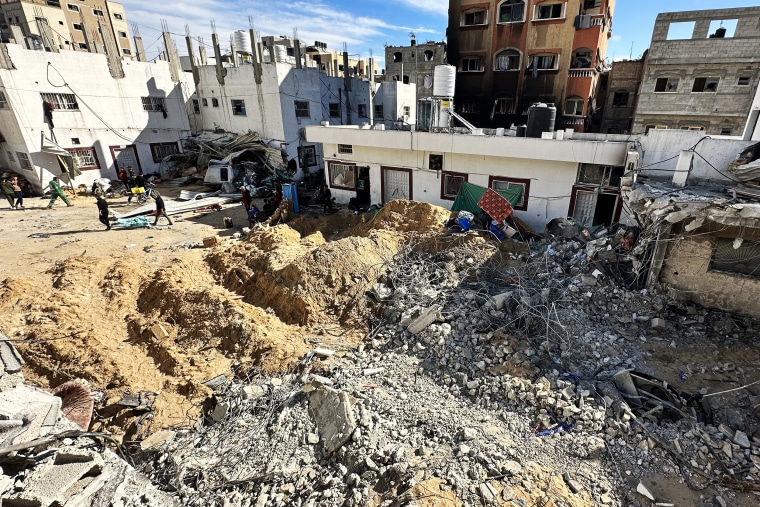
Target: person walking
<point>327,199</point>
<point>7,187</point>
<point>246,195</point>
<point>55,192</point>
<point>18,193</point>
<point>131,183</point>
<point>160,208</point>
<point>103,212</point>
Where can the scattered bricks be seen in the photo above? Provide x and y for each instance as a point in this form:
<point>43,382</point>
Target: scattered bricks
<point>658,324</point>
<point>210,241</point>
<point>159,332</point>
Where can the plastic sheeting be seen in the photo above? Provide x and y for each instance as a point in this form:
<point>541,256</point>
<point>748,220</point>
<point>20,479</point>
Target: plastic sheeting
<point>469,195</point>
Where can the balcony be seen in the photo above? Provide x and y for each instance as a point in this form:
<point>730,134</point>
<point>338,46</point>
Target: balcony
<point>581,73</point>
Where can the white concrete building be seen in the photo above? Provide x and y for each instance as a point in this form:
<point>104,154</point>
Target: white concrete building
<point>287,100</point>
<point>576,178</point>
<point>72,99</point>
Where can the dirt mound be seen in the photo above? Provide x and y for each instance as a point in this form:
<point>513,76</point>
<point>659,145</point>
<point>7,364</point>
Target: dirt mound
<point>329,226</point>
<point>306,281</point>
<point>405,216</point>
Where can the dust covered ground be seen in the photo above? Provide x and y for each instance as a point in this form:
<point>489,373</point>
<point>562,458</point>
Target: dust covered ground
<point>148,312</point>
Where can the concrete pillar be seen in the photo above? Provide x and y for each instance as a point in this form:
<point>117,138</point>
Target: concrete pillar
<point>202,55</point>
<point>297,52</point>
<point>255,56</point>
<point>193,65</point>
<point>221,72</point>
<point>683,168</point>
<point>139,49</point>
<point>233,49</point>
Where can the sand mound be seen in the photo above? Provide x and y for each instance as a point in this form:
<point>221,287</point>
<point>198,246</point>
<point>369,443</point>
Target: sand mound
<point>307,281</point>
<point>405,216</point>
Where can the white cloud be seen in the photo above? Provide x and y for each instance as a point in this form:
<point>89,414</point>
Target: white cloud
<point>616,38</point>
<point>313,20</point>
<point>440,7</point>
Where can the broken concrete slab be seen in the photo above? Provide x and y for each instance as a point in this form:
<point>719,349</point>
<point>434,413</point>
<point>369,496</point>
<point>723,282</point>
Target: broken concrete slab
<point>643,490</point>
<point>334,417</point>
<point>424,319</point>
<point>39,410</point>
<point>10,360</point>
<point>156,439</point>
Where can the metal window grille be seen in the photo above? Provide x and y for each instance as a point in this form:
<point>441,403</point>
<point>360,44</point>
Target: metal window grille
<point>84,157</point>
<point>61,100</point>
<point>302,109</point>
<point>342,175</point>
<point>345,148</point>
<point>160,151</point>
<point>154,104</point>
<point>23,159</point>
<point>3,101</point>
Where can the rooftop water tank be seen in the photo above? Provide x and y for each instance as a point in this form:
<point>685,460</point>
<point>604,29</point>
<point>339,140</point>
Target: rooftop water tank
<point>280,53</point>
<point>444,78</point>
<point>243,42</point>
<point>541,118</point>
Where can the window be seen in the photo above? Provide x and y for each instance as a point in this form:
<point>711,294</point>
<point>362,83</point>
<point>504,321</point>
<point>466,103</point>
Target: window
<point>342,175</point>
<point>61,100</point>
<point>543,62</point>
<point>406,110</point>
<point>705,84</point>
<point>77,26</point>
<point>334,110</point>
<point>214,102</point>
<point>574,106</point>
<point>428,55</point>
<point>82,45</point>
<point>681,30</point>
<point>504,105</point>
<point>469,106</point>
<point>655,127</point>
<point>379,111</point>
<point>302,108</point>
<point>118,16</point>
<point>73,7</point>
<point>362,108</point>
<point>3,101</point>
<point>743,81</point>
<point>97,12</point>
<point>53,3</point>
<point>123,34</point>
<point>450,184</point>
<point>471,64</point>
<point>154,104</point>
<point>620,99</point>
<point>582,59</point>
<point>666,85</point>
<point>435,162</point>
<point>512,11</point>
<point>307,155</point>
<point>84,158</point>
<point>693,127</point>
<point>474,18</point>
<point>196,106</point>
<point>126,51</point>
<point>238,107</point>
<point>397,57</point>
<point>509,59</point>
<point>604,175</point>
<point>550,11</point>
<point>161,150</point>
<point>726,131</point>
<point>75,140</point>
<point>742,260</point>
<point>23,159</point>
<point>405,80</point>
<point>345,149</point>
<point>591,4</point>
<point>722,28</point>
<point>499,183</point>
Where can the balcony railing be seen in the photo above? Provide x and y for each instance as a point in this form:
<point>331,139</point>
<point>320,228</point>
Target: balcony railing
<point>581,72</point>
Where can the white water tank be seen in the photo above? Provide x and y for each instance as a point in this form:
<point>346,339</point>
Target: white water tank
<point>243,42</point>
<point>280,53</point>
<point>444,79</point>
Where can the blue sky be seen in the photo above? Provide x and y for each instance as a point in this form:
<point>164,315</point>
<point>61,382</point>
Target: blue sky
<point>366,25</point>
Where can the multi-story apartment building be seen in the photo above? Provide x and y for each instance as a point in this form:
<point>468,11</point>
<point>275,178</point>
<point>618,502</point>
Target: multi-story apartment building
<point>96,26</point>
<point>415,64</point>
<point>623,87</point>
<point>511,54</point>
<point>702,71</point>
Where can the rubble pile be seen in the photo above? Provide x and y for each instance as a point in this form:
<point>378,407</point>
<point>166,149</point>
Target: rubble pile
<point>46,459</point>
<point>482,381</point>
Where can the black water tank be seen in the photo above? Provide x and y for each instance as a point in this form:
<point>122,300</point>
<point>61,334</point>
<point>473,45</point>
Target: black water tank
<point>521,129</point>
<point>541,119</point>
<point>720,33</point>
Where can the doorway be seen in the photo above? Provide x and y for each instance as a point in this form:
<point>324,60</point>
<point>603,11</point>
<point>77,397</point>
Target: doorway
<point>125,156</point>
<point>591,207</point>
<point>396,184</point>
<point>363,198</point>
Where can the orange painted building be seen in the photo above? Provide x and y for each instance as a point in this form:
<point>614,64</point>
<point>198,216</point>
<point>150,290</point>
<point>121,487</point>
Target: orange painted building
<point>511,54</point>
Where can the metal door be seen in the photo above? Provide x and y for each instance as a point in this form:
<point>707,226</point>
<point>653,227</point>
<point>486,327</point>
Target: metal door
<point>397,184</point>
<point>585,205</point>
<point>125,156</point>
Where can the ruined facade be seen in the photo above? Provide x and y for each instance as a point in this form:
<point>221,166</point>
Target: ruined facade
<point>415,64</point>
<point>622,96</point>
<point>96,26</point>
<point>511,54</point>
<point>702,71</point>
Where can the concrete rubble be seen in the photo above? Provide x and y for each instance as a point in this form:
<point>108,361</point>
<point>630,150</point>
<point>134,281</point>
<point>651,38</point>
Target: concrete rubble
<point>48,460</point>
<point>505,394</point>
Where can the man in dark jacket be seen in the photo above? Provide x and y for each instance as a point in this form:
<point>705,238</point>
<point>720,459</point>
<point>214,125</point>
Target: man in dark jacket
<point>103,212</point>
<point>7,188</point>
<point>160,208</point>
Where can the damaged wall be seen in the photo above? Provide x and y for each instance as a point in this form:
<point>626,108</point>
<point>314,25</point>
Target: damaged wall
<point>687,268</point>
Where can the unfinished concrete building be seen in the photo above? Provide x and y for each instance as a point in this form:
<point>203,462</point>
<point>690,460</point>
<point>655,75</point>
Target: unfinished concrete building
<point>702,71</point>
<point>415,64</point>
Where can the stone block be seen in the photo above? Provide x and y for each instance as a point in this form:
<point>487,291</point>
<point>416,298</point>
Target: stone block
<point>334,417</point>
<point>159,332</point>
